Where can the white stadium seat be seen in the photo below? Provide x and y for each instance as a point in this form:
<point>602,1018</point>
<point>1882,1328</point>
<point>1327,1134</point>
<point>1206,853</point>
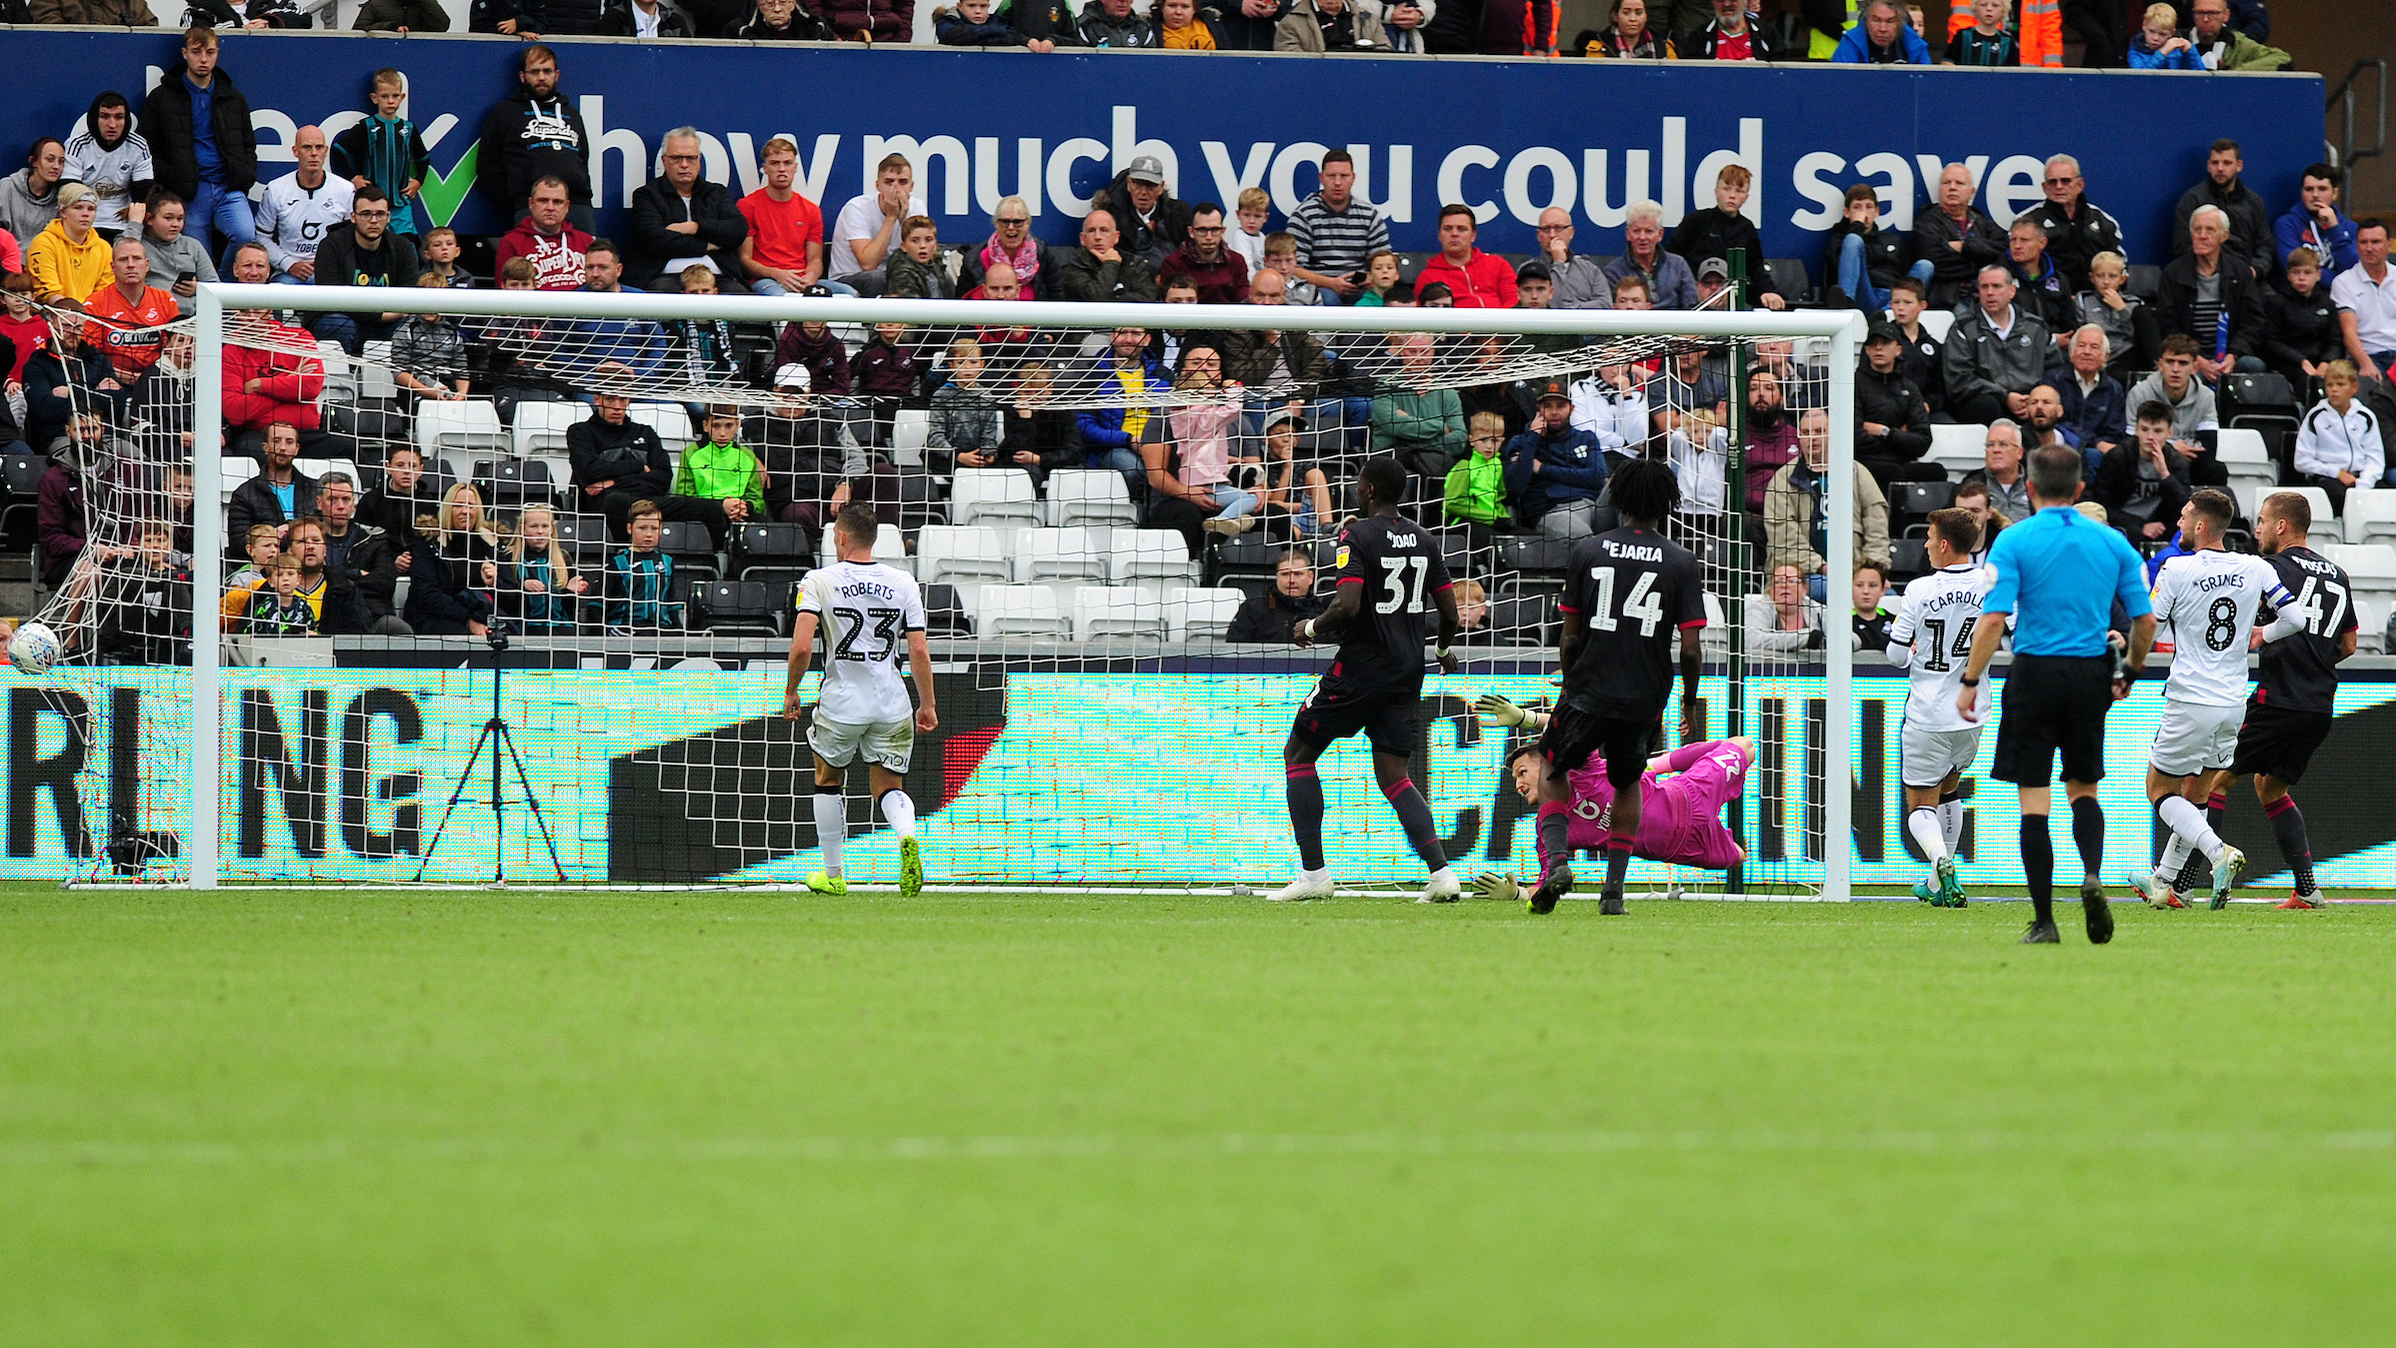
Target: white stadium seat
<point>1152,555</point>
<point>956,553</point>
<point>1020,611</point>
<point>232,472</point>
<point>1958,449</point>
<point>1193,614</point>
<point>890,545</point>
<point>464,429</point>
<point>1052,555</point>
<point>992,496</point>
<point>1101,611</point>
<point>2241,444</point>
<point>541,427</point>
<point>1938,323</point>
<point>1090,496</point>
<point>671,421</point>
<point>2371,567</point>
<point>2250,495</point>
<point>2370,517</point>
<point>374,373</point>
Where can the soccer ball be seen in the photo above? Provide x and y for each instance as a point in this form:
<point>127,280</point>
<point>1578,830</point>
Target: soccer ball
<point>33,649</point>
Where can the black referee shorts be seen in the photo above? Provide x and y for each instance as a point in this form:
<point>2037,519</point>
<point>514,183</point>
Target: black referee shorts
<point>2279,743</point>
<point>1574,733</point>
<point>2054,703</point>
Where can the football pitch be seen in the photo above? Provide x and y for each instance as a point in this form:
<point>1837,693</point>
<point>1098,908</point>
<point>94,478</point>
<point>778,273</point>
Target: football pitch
<point>407,1117</point>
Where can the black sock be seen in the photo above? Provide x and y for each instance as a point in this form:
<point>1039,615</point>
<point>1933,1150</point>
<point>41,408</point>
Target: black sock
<point>2193,873</point>
<point>2287,825</point>
<point>2088,834</point>
<point>1555,843</point>
<point>1306,814</point>
<point>1618,862</point>
<point>1414,815</point>
<point>2038,866</point>
<point>2217,808</point>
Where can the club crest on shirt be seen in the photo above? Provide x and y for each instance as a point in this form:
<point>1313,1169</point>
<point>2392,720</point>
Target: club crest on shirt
<point>1341,562</point>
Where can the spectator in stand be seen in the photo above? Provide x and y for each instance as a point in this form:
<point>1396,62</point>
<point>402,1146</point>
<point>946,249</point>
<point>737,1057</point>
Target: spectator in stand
<point>301,206</point>
<point>1871,621</point>
<point>1325,25</point>
<point>2366,298</point>
<point>1249,25</point>
<point>1101,271</point>
<point>1111,23</point>
<point>2300,322</point>
<point>721,477</point>
<point>2043,428</point>
<point>67,377</point>
<point>867,227</point>
<point>1714,231</point>
<point>1402,22</point>
<point>1336,231</point>
<point>1125,376</point>
<point>787,21</point>
<point>547,237</point>
<point>2159,46</point>
<point>783,251</point>
<point>1628,35</point>
<point>1152,220</point>
<point>1422,425</point>
<point>1866,260</point>
<point>887,375</point>
<point>536,133</point>
<point>1956,238</point>
<point>1218,274</point>
<point>2314,223</point>
<point>2076,229</point>
<point>2000,473</point>
<point>278,494</point>
<point>1994,354</point>
<point>634,345</point>
<point>870,21</point>
<point>126,318</point>
<point>2092,401</point>
<point>2249,226</point>
<point>61,524</point>
<point>635,593</point>
<point>1011,244</point>
<point>2220,47</point>
<point>1771,436</point>
<point>970,25</point>
<point>1008,349</point>
<point>428,354</point>
<point>2338,444</point>
<point>967,423</point>
<point>441,253</point>
<point>1556,474</point>
<point>360,560</point>
<point>201,144</point>
<point>1924,358</point>
<point>386,151</point>
<point>618,461</point>
<point>1270,615</point>
<point>808,457</point>
<point>1882,39</point>
<point>2212,297</point>
<point>2143,482</point>
<point>1048,24</point>
<point>363,252</point>
<point>1247,236</point>
<point>1985,42</point>
<point>680,219</point>
<point>25,328</point>
<point>1795,521</point>
<point>1478,280</point>
<point>1670,282</point>
<point>107,156</point>
<point>2040,285</point>
<point>176,264</point>
<point>1580,281</point>
<point>29,196</point>
<point>1892,419</point>
<point>1734,35</point>
<point>423,16</point>
<point>406,497</point>
<point>813,347</point>
<point>1791,618</point>
<point>1273,359</point>
<point>1476,486</point>
<point>69,259</point>
<point>2175,385</point>
<point>1689,384</point>
<point>2133,337</point>
<point>267,382</point>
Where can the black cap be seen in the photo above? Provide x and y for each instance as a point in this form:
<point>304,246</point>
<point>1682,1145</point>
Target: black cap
<point>1555,388</point>
<point>1884,331</point>
<point>1535,270</point>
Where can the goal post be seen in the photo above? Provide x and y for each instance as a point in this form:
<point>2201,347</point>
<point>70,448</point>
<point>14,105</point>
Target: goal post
<point>1577,342</point>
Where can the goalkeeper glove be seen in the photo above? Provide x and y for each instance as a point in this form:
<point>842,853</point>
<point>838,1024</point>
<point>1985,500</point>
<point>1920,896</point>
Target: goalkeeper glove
<point>1498,711</point>
<point>1498,885</point>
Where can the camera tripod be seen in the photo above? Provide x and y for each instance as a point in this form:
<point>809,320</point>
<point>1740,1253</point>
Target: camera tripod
<point>496,737</point>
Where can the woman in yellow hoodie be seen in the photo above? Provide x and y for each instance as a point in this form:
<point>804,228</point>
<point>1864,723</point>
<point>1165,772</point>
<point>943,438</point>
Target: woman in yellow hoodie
<point>69,259</point>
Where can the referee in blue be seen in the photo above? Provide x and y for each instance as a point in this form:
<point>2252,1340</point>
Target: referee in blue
<point>2058,574</point>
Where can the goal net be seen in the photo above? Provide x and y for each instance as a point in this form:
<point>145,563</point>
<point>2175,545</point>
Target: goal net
<point>1113,513</point>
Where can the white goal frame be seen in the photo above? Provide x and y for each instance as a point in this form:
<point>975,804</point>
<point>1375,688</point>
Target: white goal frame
<point>1843,329</point>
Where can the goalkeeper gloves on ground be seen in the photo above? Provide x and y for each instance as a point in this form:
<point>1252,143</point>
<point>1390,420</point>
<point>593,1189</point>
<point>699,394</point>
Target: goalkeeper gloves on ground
<point>1497,884</point>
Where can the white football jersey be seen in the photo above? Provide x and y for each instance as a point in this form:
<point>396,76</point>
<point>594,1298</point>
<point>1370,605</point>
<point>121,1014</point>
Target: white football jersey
<point>866,611</point>
<point>1935,617</point>
<point>2208,600</point>
<point>109,173</point>
<point>294,219</point>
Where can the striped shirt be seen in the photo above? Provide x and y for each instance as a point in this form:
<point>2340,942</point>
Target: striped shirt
<point>1971,47</point>
<point>1335,243</point>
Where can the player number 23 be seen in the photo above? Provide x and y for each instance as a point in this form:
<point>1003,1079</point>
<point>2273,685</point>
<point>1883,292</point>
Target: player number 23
<point>885,624</point>
<point>1642,603</point>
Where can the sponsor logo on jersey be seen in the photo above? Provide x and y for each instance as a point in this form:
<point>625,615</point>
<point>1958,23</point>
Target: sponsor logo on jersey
<point>1341,562</point>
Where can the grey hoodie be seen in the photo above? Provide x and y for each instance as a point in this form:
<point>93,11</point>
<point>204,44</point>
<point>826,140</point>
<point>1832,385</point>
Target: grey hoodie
<point>170,260</point>
<point>21,212</point>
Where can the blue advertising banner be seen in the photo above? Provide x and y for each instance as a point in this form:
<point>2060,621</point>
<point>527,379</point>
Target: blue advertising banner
<point>1508,137</point>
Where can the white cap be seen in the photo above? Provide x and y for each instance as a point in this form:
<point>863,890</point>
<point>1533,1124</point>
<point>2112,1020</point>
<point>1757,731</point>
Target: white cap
<point>794,375</point>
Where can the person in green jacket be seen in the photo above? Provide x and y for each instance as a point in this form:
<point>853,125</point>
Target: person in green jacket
<point>721,470</point>
<point>1426,429</point>
<point>1477,485</point>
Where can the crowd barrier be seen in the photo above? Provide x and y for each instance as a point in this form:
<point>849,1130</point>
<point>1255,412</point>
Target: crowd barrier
<point>1510,137</point>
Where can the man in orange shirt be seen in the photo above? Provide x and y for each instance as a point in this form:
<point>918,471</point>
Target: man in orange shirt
<point>127,318</point>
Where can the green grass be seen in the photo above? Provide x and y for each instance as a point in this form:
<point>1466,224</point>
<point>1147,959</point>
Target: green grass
<point>371,1117</point>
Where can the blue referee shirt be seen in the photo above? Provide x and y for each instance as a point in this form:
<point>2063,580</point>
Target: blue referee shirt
<point>2058,573</point>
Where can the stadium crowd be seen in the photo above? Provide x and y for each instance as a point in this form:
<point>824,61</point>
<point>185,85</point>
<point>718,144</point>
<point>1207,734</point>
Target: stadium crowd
<point>2031,334</point>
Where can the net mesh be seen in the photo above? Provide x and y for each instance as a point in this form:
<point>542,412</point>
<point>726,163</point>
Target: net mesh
<point>1113,529</point>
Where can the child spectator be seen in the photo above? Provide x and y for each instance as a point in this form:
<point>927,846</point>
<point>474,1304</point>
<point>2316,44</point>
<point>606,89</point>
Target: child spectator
<point>1293,487</point>
<point>886,373</point>
<point>262,545</point>
<point>1986,43</point>
<point>25,328</point>
<point>702,351</point>
<point>2338,444</point>
<point>1380,279</point>
<point>914,272</point>
<point>1039,438</point>
<point>1870,619</point>
<point>428,354</point>
<point>1179,28</point>
<point>385,151</point>
<point>441,259</point>
<point>150,623</point>
<point>1248,240</point>
<point>966,420</point>
<point>1476,491</point>
<point>970,25</point>
<point>278,610</point>
<point>177,262</point>
<point>2159,45</point>
<point>537,587</point>
<point>1281,254</point>
<point>640,579</point>
<point>720,470</point>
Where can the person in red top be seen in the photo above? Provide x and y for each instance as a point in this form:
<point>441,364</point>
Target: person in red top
<point>270,381</point>
<point>22,324</point>
<point>544,235</point>
<point>1478,280</point>
<point>785,248</point>
<point>1221,274</point>
<point>127,318</point>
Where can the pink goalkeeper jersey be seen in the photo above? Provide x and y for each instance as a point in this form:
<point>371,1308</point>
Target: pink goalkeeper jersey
<point>1680,816</point>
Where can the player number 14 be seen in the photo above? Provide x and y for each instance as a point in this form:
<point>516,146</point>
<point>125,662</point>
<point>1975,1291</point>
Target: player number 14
<point>1642,603</point>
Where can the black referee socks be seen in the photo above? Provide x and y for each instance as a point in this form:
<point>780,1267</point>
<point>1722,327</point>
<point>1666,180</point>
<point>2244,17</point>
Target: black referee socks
<point>2088,834</point>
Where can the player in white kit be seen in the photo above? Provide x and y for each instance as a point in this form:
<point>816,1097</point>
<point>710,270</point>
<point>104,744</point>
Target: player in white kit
<point>1932,635</point>
<point>869,612</point>
<point>2208,599</point>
